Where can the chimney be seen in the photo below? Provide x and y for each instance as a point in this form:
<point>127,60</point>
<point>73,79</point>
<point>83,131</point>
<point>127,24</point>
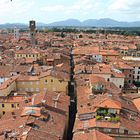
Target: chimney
<point>85,126</point>
<point>5,135</point>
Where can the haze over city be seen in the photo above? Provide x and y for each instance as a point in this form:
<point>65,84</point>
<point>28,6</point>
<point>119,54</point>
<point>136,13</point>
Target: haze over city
<point>48,11</point>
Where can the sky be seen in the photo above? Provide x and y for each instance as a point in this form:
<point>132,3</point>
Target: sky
<point>47,11</point>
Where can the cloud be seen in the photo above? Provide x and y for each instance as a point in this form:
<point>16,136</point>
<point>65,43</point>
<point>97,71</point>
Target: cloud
<point>125,6</point>
<point>42,10</point>
<point>77,6</point>
<point>15,10</point>
<point>16,6</point>
<point>54,8</point>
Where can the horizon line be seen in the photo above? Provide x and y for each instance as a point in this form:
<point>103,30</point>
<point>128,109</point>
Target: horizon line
<point>68,19</point>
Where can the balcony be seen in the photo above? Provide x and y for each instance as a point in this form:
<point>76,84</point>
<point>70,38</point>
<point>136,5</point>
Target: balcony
<point>104,114</point>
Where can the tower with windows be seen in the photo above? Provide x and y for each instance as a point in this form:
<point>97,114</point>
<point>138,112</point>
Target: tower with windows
<point>32,28</point>
<point>16,33</point>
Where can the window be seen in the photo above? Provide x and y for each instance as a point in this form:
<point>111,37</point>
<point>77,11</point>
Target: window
<point>107,130</point>
<point>60,80</point>
<point>139,67</point>
<point>46,81</point>
<point>138,77</point>
<point>54,88</point>
<point>12,105</point>
<point>138,72</point>
<point>129,81</point>
<point>31,89</point>
<point>129,75</point>
<point>20,89</point>
<point>37,89</point>
<point>2,105</point>
<point>45,89</point>
<point>108,79</point>
<point>120,86</point>
<point>51,80</point>
<point>3,112</point>
<point>26,89</point>
<point>125,131</point>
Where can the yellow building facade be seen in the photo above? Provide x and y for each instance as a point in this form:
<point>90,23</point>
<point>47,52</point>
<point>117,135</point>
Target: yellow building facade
<point>33,84</point>
<point>6,106</point>
<point>32,53</point>
<point>45,83</point>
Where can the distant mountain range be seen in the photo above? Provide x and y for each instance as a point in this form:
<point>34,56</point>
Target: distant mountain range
<point>104,22</point>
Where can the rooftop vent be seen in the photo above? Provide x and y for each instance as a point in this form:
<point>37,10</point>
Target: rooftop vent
<point>85,126</point>
<point>24,133</point>
<point>43,101</point>
<point>30,112</point>
<point>109,94</point>
<point>15,94</point>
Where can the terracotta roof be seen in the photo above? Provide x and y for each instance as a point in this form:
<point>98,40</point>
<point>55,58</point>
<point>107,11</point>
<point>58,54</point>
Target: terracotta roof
<point>29,123</point>
<point>96,79</point>
<point>130,124</point>
<point>27,78</point>
<point>8,82</point>
<point>93,123</point>
<point>53,99</point>
<point>137,103</point>
<point>109,103</point>
<point>13,99</point>
<point>92,135</point>
<point>56,74</point>
<point>33,111</point>
<point>28,51</point>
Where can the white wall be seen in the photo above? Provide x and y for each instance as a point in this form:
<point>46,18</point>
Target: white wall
<point>136,70</point>
<point>97,57</point>
<point>118,81</point>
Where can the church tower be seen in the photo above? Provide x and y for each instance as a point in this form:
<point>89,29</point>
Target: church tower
<point>32,27</point>
<point>16,33</point>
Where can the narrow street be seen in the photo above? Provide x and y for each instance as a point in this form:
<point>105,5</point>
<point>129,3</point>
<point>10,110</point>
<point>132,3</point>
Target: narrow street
<point>72,94</point>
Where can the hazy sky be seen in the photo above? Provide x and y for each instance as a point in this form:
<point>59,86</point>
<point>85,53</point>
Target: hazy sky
<point>53,10</point>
